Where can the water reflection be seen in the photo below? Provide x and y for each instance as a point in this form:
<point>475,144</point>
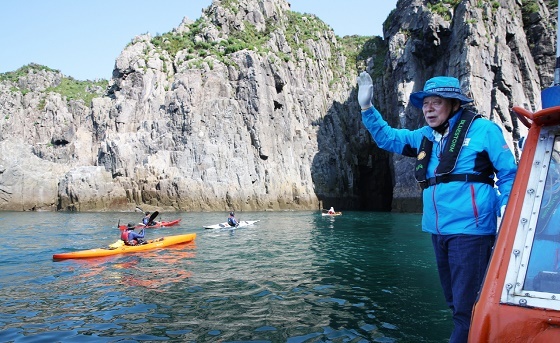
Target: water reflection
<point>151,270</point>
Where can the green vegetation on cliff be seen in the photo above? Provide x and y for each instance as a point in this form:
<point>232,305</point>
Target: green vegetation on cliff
<point>14,76</point>
<point>68,87</point>
<point>358,49</point>
<point>80,90</point>
<point>298,31</point>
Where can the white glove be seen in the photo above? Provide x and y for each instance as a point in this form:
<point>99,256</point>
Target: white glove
<point>365,90</point>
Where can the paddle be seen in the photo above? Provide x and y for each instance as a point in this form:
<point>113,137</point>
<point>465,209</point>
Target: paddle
<point>152,217</point>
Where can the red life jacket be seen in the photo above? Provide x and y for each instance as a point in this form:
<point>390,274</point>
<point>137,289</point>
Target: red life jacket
<point>124,235</point>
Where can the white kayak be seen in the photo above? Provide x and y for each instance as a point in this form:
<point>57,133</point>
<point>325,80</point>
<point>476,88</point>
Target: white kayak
<point>225,225</point>
<point>332,214</point>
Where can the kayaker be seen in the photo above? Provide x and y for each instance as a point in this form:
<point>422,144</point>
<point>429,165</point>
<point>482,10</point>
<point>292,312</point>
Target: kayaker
<point>130,237</point>
<point>458,156</point>
<point>231,220</point>
<point>146,220</point>
<point>331,210</point>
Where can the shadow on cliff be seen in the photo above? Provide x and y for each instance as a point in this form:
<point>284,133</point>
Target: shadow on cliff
<point>349,171</point>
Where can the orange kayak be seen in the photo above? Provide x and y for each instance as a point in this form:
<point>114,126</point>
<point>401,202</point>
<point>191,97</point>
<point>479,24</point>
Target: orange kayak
<point>115,249</point>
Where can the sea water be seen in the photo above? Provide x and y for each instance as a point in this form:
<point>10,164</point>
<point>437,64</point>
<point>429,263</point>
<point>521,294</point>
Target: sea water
<point>292,277</point>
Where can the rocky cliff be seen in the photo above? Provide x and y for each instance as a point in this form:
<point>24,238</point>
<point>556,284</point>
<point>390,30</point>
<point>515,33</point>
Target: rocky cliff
<point>252,107</point>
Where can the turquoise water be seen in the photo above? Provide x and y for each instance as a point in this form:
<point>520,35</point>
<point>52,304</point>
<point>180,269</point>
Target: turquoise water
<point>292,277</point>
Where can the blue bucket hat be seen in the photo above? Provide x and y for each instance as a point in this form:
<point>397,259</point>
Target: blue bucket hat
<point>442,86</point>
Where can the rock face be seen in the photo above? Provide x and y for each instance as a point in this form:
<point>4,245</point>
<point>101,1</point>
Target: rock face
<point>253,107</point>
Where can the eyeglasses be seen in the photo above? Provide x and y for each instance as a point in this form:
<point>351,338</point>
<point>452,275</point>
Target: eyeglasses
<point>433,102</point>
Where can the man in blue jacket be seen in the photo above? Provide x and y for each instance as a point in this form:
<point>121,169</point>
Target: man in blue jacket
<point>458,157</point>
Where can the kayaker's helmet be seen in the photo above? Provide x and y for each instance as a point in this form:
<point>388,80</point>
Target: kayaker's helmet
<point>232,214</point>
<point>130,226</point>
<point>443,86</point>
<point>147,213</point>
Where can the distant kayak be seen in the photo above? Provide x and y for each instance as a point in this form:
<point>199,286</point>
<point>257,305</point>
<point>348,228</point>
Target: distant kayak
<point>332,214</point>
<point>116,249</point>
<point>158,225</point>
<point>225,225</point>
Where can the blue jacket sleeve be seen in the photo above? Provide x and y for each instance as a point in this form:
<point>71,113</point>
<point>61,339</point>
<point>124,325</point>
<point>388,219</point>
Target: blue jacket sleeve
<point>387,138</point>
<point>133,235</point>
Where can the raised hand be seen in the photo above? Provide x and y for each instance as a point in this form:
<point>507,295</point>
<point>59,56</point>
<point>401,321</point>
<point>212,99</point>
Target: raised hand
<point>365,90</point>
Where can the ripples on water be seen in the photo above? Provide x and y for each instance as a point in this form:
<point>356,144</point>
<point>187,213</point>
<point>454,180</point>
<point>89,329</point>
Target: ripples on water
<point>293,277</point>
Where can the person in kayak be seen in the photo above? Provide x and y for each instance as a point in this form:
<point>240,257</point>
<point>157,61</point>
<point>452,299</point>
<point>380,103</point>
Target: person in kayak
<point>231,220</point>
<point>130,237</point>
<point>331,210</point>
<point>146,220</point>
<point>458,156</point>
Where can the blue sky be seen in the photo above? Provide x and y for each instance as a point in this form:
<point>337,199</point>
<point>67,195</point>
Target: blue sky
<point>82,38</point>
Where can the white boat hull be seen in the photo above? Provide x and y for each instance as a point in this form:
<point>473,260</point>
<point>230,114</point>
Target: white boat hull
<point>225,225</point>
